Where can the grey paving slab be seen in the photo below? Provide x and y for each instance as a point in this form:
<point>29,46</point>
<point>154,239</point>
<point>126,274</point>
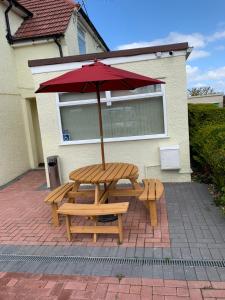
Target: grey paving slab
<point>190,273</point>
<point>179,273</point>
<point>168,272</point>
<point>212,274</point>
<point>201,273</point>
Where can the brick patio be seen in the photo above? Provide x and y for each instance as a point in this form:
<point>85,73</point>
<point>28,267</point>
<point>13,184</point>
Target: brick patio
<point>42,286</point>
<point>25,219</point>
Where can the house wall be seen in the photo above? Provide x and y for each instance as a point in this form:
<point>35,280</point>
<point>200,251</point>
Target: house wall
<point>207,99</point>
<point>143,153</point>
<point>71,39</point>
<point>13,147</point>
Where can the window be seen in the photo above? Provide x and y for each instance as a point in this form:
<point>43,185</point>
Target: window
<point>81,40</point>
<point>127,115</point>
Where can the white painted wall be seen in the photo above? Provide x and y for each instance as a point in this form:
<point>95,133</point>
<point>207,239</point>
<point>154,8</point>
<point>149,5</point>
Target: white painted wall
<point>144,153</point>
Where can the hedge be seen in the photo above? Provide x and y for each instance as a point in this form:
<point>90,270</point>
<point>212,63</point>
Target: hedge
<point>207,140</point>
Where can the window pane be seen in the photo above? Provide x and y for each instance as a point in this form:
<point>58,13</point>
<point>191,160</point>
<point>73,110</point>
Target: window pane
<point>66,97</point>
<point>81,41</point>
<point>143,90</point>
<point>121,119</point>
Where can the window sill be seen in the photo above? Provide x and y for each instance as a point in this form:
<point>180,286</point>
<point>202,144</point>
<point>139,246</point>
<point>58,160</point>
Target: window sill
<point>119,139</point>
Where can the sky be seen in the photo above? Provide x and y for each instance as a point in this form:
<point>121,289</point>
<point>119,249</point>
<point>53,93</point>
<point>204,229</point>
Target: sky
<point>127,24</point>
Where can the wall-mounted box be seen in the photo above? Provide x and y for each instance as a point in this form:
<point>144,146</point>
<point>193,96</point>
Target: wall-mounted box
<point>170,157</point>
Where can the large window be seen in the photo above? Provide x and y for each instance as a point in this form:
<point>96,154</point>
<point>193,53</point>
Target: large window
<point>127,115</point>
<point>81,40</point>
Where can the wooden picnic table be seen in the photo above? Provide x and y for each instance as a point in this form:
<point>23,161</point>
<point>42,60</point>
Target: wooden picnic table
<point>105,182</point>
<point>94,174</point>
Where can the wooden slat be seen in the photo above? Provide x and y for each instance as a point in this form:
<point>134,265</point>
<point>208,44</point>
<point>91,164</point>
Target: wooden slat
<point>87,174</point>
<point>144,195</point>
<point>59,193</point>
<point>93,209</point>
<point>151,189</point>
<point>128,171</point>
<point>112,176</point>
<point>134,171</point>
<point>105,174</point>
<point>122,171</point>
<point>125,192</point>
<point>159,189</point>
<point>94,229</point>
<point>75,174</point>
<point>93,174</point>
<point>86,193</point>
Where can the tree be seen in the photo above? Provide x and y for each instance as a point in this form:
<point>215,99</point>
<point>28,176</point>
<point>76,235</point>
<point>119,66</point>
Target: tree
<point>198,91</point>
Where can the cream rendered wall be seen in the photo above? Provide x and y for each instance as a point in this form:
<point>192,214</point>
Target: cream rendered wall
<point>207,99</point>
<point>143,153</point>
<point>71,40</point>
<point>13,147</point>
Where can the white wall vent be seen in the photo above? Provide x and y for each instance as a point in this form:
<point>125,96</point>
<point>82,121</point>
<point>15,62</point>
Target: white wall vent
<point>170,157</point>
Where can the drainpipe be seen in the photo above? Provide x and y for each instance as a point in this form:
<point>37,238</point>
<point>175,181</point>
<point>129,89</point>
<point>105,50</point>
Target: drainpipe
<point>57,41</point>
<point>8,35</point>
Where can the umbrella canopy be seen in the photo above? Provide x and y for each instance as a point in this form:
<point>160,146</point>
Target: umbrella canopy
<point>84,80</point>
<point>96,77</point>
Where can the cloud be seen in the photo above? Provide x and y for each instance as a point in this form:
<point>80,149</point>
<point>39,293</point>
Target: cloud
<point>191,71</point>
<point>195,54</point>
<point>214,77</point>
<point>216,36</point>
<point>196,40</point>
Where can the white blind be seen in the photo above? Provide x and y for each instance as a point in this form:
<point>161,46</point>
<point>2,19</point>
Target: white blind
<point>122,119</point>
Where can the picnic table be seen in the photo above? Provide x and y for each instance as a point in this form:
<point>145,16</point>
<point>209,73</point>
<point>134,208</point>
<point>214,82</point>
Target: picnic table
<point>105,183</point>
<point>95,175</point>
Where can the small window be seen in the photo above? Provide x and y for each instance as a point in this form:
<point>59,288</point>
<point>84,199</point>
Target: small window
<point>81,40</point>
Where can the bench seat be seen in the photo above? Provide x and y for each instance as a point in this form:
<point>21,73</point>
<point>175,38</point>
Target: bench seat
<point>153,191</point>
<point>94,210</point>
<point>55,197</point>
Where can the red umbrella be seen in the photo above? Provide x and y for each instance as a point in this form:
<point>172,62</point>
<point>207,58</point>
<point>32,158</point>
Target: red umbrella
<point>96,77</point>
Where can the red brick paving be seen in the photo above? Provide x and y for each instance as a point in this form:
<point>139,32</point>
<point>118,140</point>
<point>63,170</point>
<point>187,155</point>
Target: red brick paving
<point>26,220</point>
<point>41,286</point>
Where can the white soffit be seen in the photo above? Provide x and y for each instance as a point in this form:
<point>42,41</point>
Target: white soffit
<point>107,61</point>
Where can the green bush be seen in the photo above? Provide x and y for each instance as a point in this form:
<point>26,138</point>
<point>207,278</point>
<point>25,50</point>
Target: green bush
<point>207,141</point>
<point>208,145</point>
<point>203,114</point>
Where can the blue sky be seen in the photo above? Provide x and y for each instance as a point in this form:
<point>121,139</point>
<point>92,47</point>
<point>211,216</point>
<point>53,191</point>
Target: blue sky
<point>129,24</point>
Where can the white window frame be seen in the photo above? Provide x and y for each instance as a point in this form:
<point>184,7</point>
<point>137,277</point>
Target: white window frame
<point>108,100</point>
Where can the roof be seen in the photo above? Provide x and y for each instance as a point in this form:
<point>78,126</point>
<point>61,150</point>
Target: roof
<point>110,54</point>
<point>49,17</point>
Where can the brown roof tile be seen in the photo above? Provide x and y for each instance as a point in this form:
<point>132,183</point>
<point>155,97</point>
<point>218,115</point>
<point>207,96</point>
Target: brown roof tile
<point>49,17</point>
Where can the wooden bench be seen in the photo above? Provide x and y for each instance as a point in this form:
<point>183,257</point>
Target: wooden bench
<point>54,199</point>
<point>94,210</point>
<point>153,191</point>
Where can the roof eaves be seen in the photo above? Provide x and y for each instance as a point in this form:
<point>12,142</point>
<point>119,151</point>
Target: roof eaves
<point>110,54</point>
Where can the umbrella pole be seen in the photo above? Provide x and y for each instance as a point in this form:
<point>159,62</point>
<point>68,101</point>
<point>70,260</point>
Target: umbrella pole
<point>100,125</point>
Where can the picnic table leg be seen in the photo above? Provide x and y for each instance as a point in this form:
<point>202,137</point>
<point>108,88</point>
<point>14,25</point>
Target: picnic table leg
<point>55,216</point>
<point>68,224</point>
<point>120,225</point>
<point>95,234</point>
<point>97,193</point>
<point>75,189</point>
<point>153,213</point>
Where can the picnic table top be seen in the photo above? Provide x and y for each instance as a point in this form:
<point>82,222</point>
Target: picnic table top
<point>113,172</point>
